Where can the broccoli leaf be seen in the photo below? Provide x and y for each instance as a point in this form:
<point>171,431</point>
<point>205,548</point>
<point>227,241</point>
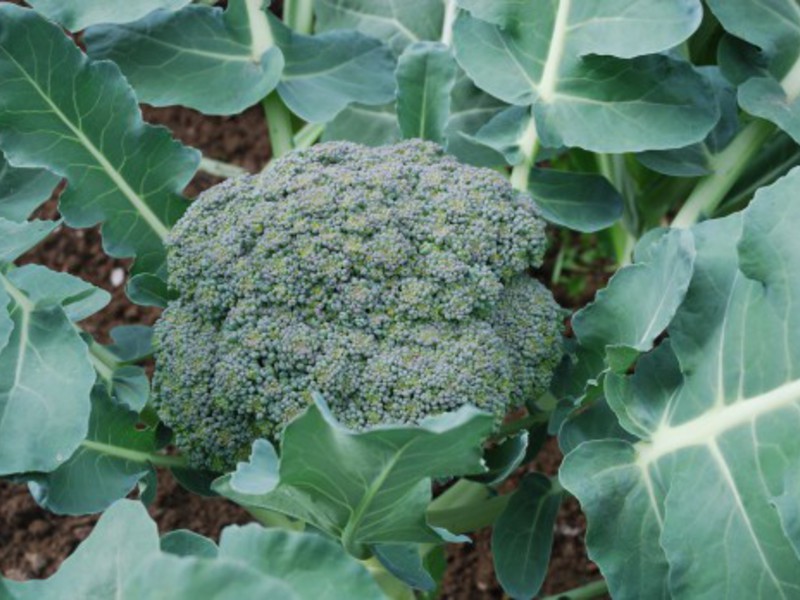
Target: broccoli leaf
<point>191,577</point>
<point>291,556</point>
<point>368,125</point>
<point>426,73</point>
<point>715,412</point>
<point>216,62</point>
<point>396,23</point>
<point>590,85</point>
<point>470,110</point>
<point>124,558</point>
<point>18,238</point>
<point>123,539</point>
<point>658,281</point>
<point>183,542</point>
<point>696,160</point>
<point>93,478</point>
<point>774,27</point>
<point>580,201</point>
<point>79,14</point>
<point>327,72</point>
<point>23,190</point>
<point>78,298</point>
<point>80,119</point>
<point>373,486</point>
<point>45,379</point>
<point>523,535</point>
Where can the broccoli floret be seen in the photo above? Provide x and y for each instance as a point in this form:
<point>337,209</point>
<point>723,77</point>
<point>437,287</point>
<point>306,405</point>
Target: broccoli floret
<point>392,280</point>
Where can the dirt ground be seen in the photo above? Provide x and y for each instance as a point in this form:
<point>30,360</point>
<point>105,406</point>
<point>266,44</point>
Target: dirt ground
<point>33,542</point>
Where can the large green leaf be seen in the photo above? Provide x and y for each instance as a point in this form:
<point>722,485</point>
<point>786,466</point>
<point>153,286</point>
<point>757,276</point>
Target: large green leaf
<point>291,556</point>
<point>523,536</point>
<point>396,22</point>
<point>773,26</point>
<point>470,110</point>
<point>640,300</point>
<point>170,577</point>
<point>327,72</point>
<point>695,160</point>
<point>78,298</point>
<point>716,412</point>
<point>581,201</point>
<point>582,66</point>
<point>123,539</point>
<point>124,558</point>
<point>23,190</point>
<point>368,125</point>
<point>17,238</point>
<point>426,73</point>
<point>80,119</point>
<point>45,379</point>
<point>216,62</point>
<point>99,473</point>
<point>369,487</point>
<point>79,14</point>
<point>183,542</point>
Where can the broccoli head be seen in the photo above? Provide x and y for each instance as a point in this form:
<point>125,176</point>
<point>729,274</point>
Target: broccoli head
<point>391,280</point>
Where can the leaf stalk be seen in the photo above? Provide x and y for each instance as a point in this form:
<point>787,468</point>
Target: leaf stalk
<point>279,124</point>
<point>727,167</point>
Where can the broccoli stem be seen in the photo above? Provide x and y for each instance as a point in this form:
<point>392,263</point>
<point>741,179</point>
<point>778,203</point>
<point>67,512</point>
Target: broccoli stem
<point>299,15</point>
<point>270,518</point>
<point>279,124</point>
<point>612,167</point>
<point>157,460</point>
<point>220,169</point>
<point>389,584</point>
<point>466,506</point>
<point>308,134</point>
<point>529,144</point>
<point>727,167</point>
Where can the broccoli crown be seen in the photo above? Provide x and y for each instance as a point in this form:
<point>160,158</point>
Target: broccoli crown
<point>392,280</point>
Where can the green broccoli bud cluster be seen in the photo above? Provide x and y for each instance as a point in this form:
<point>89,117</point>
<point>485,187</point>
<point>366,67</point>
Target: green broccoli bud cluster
<point>391,280</point>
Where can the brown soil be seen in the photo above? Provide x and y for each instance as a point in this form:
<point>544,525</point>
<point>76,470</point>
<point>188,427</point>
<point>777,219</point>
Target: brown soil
<point>33,542</point>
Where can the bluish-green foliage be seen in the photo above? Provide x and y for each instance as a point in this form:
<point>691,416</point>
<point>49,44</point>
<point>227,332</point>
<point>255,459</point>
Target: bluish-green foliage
<point>391,280</point>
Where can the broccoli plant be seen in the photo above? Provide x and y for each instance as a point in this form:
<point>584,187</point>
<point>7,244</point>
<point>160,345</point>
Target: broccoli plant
<point>358,344</point>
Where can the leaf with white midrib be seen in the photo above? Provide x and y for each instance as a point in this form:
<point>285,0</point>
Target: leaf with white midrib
<point>368,487</point>
<point>45,379</point>
<point>396,22</point>
<point>170,57</point>
<point>591,71</point>
<point>80,119</point>
<point>773,26</point>
<point>716,410</point>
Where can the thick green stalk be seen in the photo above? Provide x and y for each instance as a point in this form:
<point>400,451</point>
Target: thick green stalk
<point>279,124</point>
<point>308,134</point>
<point>727,167</point>
<point>104,361</point>
<point>157,460</point>
<point>740,199</point>
<point>389,584</point>
<point>466,506</point>
<point>591,590</point>
<point>270,518</point>
<point>530,148</point>
<point>221,169</point>
<point>612,167</point>
<point>299,15</point>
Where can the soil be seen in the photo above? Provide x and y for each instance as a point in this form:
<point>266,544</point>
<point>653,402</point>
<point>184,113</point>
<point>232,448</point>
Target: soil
<point>34,542</point>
